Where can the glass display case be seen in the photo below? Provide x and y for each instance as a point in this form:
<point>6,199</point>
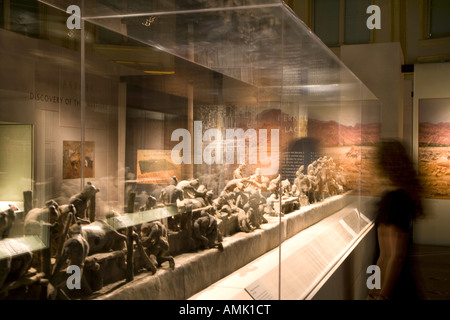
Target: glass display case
<point>173,142</point>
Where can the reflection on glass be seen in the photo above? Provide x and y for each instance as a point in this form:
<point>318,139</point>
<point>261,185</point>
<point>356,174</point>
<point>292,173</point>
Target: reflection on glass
<point>166,129</point>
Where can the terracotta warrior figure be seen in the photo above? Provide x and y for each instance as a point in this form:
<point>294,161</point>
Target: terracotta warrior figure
<point>170,194</point>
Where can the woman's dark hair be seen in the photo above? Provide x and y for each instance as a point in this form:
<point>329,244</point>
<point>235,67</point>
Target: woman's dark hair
<point>393,159</point>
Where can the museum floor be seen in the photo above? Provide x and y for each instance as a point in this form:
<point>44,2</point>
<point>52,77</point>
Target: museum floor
<point>434,266</point>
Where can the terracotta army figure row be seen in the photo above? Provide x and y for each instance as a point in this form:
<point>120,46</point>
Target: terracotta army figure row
<point>240,206</point>
<point>200,218</point>
<point>74,239</point>
<point>321,180</point>
<point>245,200</point>
<point>193,202</point>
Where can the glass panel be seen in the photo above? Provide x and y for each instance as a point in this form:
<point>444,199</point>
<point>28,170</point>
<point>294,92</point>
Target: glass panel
<point>40,98</point>
<point>342,119</point>
<point>145,125</point>
<point>105,9</point>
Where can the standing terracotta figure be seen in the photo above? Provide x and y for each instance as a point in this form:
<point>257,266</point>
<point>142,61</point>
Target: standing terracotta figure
<point>239,172</point>
<point>169,196</point>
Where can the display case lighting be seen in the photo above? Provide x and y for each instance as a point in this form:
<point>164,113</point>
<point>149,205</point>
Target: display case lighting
<point>160,73</point>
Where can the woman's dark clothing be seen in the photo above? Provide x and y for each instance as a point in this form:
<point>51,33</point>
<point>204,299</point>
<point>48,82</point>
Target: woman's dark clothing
<point>398,208</point>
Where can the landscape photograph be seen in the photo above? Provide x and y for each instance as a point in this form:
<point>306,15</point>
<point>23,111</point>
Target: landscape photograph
<point>351,143</point>
<point>434,147</point>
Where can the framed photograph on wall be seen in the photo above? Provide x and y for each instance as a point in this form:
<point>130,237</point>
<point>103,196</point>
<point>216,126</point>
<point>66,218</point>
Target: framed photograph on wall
<point>434,147</point>
<point>156,167</point>
<point>72,161</point>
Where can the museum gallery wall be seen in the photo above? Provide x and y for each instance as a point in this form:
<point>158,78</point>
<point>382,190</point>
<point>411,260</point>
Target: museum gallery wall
<point>430,93</point>
<point>156,137</point>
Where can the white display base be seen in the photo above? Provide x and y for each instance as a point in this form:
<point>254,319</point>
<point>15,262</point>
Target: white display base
<point>197,271</point>
<point>307,260</point>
